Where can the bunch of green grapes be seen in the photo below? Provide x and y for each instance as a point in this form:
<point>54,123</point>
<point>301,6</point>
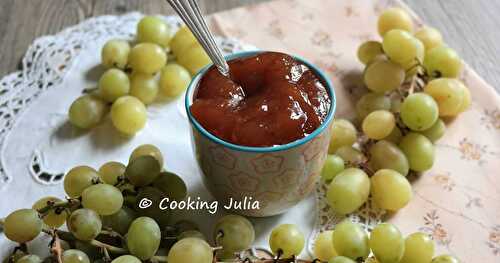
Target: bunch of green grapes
<point>95,211</point>
<point>348,242</point>
<point>160,63</point>
<point>412,88</point>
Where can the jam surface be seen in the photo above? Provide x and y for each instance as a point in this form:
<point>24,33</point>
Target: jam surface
<point>270,99</point>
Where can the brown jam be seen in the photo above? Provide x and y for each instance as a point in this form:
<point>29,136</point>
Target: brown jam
<point>270,99</point>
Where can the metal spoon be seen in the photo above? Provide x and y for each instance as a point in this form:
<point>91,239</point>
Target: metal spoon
<point>190,13</point>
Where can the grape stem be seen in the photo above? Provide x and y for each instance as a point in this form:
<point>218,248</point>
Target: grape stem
<point>54,205</point>
<point>55,246</point>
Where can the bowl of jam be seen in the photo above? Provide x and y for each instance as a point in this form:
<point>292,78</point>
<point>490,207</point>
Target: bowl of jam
<point>261,134</point>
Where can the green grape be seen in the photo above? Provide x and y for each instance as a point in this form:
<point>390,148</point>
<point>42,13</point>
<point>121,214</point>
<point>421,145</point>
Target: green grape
<point>194,59</point>
<point>143,238</point>
<point>341,259</point>
<point>74,256</point>
<point>383,75</point>
<point>84,246</point>
<point>348,191</point>
<point>110,171</point>
<point>190,249</point>
<point>144,87</point>
<point>394,18</point>
<point>147,58</point>
<point>79,178</point>
<point>467,100</point>
<point>396,104</point>
<point>226,256</point>
<point>351,240</point>
<point>350,155</point>
<point>445,259</point>
<point>379,124</point>
<point>142,170</point>
<point>286,240</point>
<point>371,102</point>
<point>419,111</point>
<point>153,30</point>
<point>419,150</point>
<point>171,185</point>
<point>333,165</point>
<point>113,84</point>
<point>436,131</point>
<point>430,37</point>
<point>448,94</point>
<point>369,50</point>
<point>191,233</point>
<point>395,136</point>
<point>234,233</point>
<point>386,155</point>
<point>128,115</point>
<point>174,79</point>
<point>105,199</point>
<point>390,190</point>
<point>120,221</point>
<point>387,243</point>
<point>30,258</point>
<point>343,133</point>
<point>86,111</point>
<point>22,225</point>
<point>419,248</point>
<point>53,218</point>
<point>126,259</point>
<point>323,246</point>
<point>402,47</point>
<point>115,53</point>
<point>156,196</point>
<point>84,224</point>
<point>442,62</point>
<point>147,149</point>
<point>182,40</point>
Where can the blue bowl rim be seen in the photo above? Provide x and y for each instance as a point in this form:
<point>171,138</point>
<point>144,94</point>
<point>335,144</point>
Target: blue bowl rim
<point>194,84</point>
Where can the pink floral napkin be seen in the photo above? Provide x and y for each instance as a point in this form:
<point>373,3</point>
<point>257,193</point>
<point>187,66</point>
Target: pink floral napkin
<point>458,201</point>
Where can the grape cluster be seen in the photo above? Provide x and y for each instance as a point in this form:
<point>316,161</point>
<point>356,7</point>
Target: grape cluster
<point>350,243</point>
<point>412,89</point>
<point>158,64</point>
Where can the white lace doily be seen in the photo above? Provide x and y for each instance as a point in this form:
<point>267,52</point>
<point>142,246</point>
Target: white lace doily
<point>38,145</point>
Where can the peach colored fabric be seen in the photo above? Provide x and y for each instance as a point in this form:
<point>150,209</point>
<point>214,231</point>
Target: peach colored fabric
<point>458,200</point>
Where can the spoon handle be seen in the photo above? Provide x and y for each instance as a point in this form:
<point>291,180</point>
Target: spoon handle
<point>190,13</point>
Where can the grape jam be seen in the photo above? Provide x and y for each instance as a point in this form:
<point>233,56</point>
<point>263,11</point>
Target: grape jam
<point>270,99</point>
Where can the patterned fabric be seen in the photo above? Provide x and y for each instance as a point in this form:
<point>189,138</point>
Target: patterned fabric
<point>458,200</point>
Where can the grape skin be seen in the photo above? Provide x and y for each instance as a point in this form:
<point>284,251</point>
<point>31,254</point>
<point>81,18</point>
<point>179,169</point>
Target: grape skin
<point>128,115</point>
<point>191,233</point>
<point>30,258</point>
<point>419,111</point>
<point>147,58</point>
<point>74,256</point>
<point>348,190</point>
<point>448,93</point>
<point>445,259</point>
<point>430,37</point>
<point>343,134</point>
<point>383,75</point>
<point>144,87</point>
<point>419,150</point>
<point>351,240</point>
<point>143,238</point>
<point>323,246</point>
<point>387,243</point>
<point>419,248</point>
<point>370,102</point>
<point>171,185</point>
<point>379,124</point>
<point>435,132</point>
<point>110,171</point>
<point>390,190</point>
<point>86,111</point>
<point>153,30</point>
<point>394,18</point>
<point>84,224</point>
<point>143,170</point>
<point>51,219</point>
<point>79,178</point>
<point>236,233</point>
<point>115,53</point>
<point>105,199</point>
<point>22,225</point>
<point>113,84</point>
<point>287,239</point>
<point>402,47</point>
<point>194,59</point>
<point>174,80</point>
<point>120,221</point>
<point>443,62</point>
<point>369,50</point>
<point>147,149</point>
<point>395,135</point>
<point>126,259</point>
<point>350,155</point>
<point>182,40</point>
<point>190,249</point>
<point>333,165</point>
<point>386,155</point>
